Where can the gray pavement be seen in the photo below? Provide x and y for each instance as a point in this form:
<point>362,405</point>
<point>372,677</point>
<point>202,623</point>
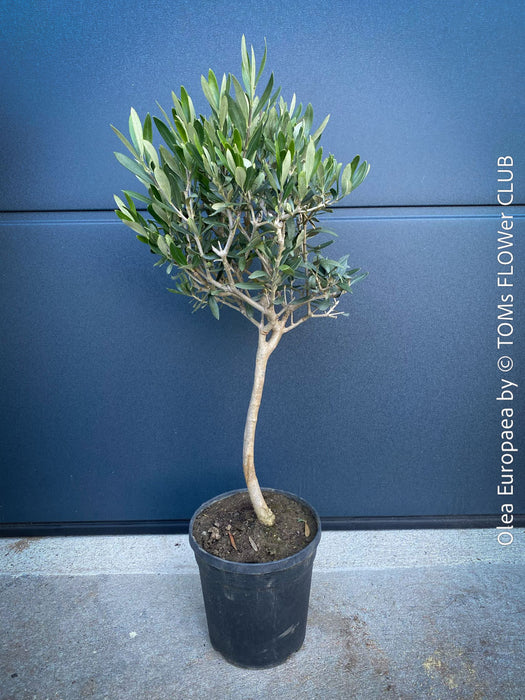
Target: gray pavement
<point>397,614</point>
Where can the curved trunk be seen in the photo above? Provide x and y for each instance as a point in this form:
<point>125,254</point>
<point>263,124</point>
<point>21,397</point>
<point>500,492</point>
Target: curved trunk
<point>264,350</point>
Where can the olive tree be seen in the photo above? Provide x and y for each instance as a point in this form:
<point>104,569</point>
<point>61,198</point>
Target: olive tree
<point>231,208</point>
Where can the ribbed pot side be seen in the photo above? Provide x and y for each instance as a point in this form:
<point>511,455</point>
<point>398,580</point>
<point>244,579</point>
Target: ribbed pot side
<point>256,613</point>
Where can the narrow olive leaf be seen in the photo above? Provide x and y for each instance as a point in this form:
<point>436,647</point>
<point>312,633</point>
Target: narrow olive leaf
<point>346,179</point>
<point>120,204</point>
<point>214,307</point>
<point>208,93</point>
<point>163,182</point>
<point>285,169</point>
<point>137,228</point>
<point>135,130</point>
<point>214,87</point>
<point>263,63</point>
<point>240,98</point>
<point>163,246</point>
<point>125,141</point>
<point>320,130</point>
<point>302,187</point>
<point>166,133</point>
<point>264,97</point>
<point>230,161</point>
<point>134,167</point>
<point>187,105</point>
<point>236,115</point>
<point>309,162</point>
<point>179,124</point>
<point>308,118</point>
<point>245,65</point>
<point>240,176</point>
<point>360,174</point>
<point>253,80</point>
<point>151,154</point>
<point>223,110</point>
<point>354,163</point>
<point>147,130</point>
<point>177,255</point>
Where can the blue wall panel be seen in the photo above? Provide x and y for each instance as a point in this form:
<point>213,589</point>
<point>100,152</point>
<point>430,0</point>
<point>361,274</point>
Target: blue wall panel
<point>430,93</point>
<point>118,403</point>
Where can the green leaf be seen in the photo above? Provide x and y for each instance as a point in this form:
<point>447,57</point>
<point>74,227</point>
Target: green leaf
<point>302,187</point>
<point>124,140</point>
<point>151,154</point>
<point>147,131</point>
<point>240,98</point>
<point>285,168</point>
<point>214,307</point>
<point>120,204</point>
<point>309,161</point>
<point>177,255</point>
<point>263,63</point>
<point>240,176</point>
<point>354,163</point>
<point>346,179</point>
<point>223,110</point>
<point>246,72</point>
<point>166,133</point>
<point>236,115</point>
<point>253,80</point>
<point>308,118</point>
<point>134,168</point>
<point>264,97</point>
<point>321,128</point>
<point>237,140</point>
<point>163,246</point>
<point>135,130</point>
<point>136,227</point>
<point>187,105</point>
<point>258,274</point>
<point>231,162</point>
<point>317,248</point>
<point>163,182</point>
<point>361,173</point>
<point>181,129</point>
<point>208,93</point>
<point>214,87</point>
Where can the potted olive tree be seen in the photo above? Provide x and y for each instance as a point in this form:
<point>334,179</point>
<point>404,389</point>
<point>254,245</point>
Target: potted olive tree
<point>231,208</point>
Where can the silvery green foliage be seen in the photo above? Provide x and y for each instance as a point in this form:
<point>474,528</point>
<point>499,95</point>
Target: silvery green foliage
<point>233,200</point>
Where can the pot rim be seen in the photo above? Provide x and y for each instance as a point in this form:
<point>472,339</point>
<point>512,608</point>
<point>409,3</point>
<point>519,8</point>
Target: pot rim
<point>255,568</point>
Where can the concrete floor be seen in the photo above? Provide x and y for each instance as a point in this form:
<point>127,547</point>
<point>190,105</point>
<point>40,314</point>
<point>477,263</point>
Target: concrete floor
<point>398,614</point>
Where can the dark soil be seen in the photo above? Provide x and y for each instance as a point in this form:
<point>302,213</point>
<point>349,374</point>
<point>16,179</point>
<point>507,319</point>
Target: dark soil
<point>229,529</point>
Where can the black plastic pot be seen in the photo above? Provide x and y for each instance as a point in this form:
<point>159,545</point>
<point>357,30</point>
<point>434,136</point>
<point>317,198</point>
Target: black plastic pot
<point>256,613</point>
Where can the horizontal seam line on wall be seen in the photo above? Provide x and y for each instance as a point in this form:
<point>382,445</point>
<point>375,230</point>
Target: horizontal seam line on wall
<point>430,212</point>
<point>402,522</point>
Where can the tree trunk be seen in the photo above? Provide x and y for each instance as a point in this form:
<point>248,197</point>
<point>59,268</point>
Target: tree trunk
<point>264,350</point>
